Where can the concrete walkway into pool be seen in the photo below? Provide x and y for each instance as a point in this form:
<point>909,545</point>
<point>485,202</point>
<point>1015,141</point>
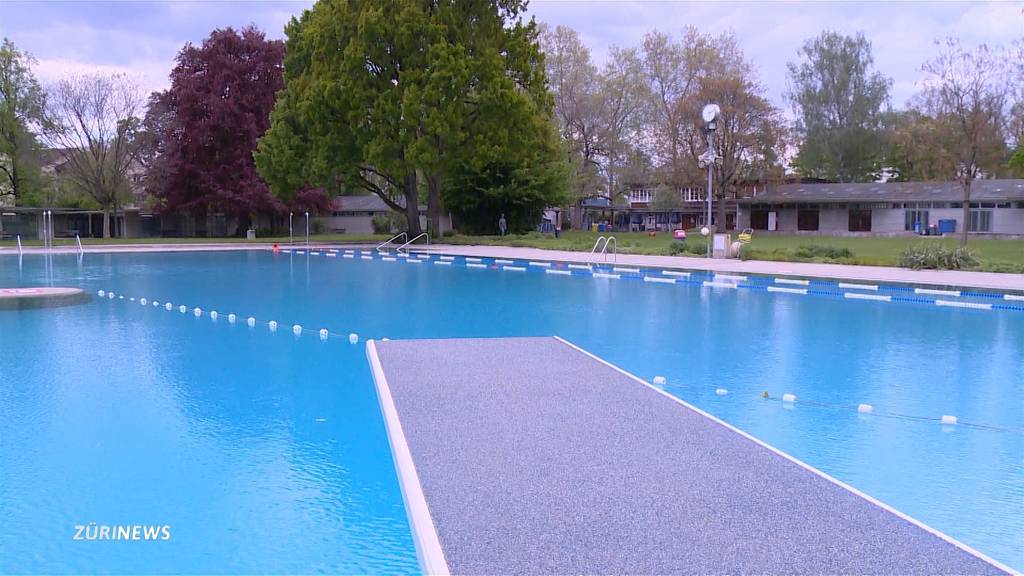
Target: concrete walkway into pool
<point>528,455</point>
<point>883,274</point>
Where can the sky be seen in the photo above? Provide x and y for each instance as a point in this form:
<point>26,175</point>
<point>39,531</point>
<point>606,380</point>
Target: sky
<point>142,38</point>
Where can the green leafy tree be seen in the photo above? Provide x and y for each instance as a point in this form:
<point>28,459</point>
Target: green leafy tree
<point>380,96</point>
<point>840,104</point>
<point>22,105</point>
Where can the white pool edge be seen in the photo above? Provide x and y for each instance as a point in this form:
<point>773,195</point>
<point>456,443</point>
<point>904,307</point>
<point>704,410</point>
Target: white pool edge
<point>804,465</point>
<point>424,532</point>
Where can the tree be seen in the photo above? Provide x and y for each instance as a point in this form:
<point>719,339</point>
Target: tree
<point>750,131</point>
<point>203,130</point>
<point>380,95</point>
<point>839,102</point>
<point>966,98</point>
<point>22,106</point>
<point>623,100</point>
<point>93,120</point>
<point>575,83</point>
<point>672,69</point>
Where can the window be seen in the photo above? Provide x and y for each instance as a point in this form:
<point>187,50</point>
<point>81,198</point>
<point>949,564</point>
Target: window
<point>981,221</point>
<point>692,194</point>
<point>860,220</point>
<point>918,217</point>
<point>807,219</point>
<point>759,219</point>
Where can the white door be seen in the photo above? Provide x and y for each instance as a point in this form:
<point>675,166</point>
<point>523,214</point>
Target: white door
<point>773,221</point>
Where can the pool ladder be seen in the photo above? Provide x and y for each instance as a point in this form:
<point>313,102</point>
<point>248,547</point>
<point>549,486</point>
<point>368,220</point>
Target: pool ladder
<point>602,243</point>
<point>403,246</point>
<point>384,246</point>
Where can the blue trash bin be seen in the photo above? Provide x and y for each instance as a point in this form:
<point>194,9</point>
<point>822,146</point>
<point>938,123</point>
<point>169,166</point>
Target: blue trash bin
<point>947,226</point>
<point>600,227</point>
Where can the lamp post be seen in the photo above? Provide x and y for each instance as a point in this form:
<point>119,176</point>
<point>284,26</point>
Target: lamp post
<point>708,159</point>
<point>307,230</point>
<point>291,237</point>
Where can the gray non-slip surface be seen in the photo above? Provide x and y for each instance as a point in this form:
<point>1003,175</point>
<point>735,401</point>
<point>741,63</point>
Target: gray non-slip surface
<point>535,458</point>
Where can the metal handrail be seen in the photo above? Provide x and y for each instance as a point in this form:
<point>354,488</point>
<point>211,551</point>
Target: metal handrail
<point>18,236</point>
<point>390,240</point>
<point>615,248</point>
<point>603,242</point>
<point>79,242</point>
<point>423,235</point>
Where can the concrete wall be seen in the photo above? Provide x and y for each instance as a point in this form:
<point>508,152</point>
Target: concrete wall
<point>363,224</point>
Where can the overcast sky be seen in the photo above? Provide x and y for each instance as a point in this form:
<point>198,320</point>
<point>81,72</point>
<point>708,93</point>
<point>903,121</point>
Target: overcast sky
<point>142,38</point>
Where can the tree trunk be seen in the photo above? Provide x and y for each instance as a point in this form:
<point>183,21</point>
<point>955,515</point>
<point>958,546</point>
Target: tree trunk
<point>106,221</point>
<point>434,205</point>
<point>412,204</point>
<point>965,225</point>
<point>720,213</point>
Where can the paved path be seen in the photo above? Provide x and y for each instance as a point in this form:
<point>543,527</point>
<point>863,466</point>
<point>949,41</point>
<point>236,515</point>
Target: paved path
<point>535,457</point>
<point>885,274</point>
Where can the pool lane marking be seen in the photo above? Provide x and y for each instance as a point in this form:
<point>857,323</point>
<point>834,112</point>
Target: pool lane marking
<point>660,280</point>
<point>859,296</point>
<point>794,281</point>
<point>800,463</point>
<point>849,286</point>
<point>802,291</point>
<point>472,262</point>
<point>973,305</point>
<point>332,254</point>
<point>934,292</point>
<point>348,255</point>
<point>424,531</point>
<point>414,261</point>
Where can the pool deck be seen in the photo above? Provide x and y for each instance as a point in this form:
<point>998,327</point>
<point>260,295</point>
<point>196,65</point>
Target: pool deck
<point>529,455</point>
<point>882,274</point>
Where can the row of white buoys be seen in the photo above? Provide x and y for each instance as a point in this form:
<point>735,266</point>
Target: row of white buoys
<point>659,381</point>
<point>214,315</point>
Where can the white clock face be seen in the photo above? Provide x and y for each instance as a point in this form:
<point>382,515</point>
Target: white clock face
<point>710,112</point>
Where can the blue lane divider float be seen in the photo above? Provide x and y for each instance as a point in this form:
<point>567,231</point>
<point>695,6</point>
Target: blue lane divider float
<point>820,287</point>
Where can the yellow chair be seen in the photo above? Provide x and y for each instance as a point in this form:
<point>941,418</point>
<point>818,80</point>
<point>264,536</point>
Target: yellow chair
<point>746,236</point>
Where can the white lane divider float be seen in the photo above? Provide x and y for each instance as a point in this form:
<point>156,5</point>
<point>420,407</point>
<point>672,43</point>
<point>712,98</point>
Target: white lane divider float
<point>475,265</point>
<point>272,325</point>
<point>198,312</point>
<point>251,322</point>
<point>711,284</point>
<point>875,297</point>
<point>558,272</point>
<point>213,315</point>
<point>801,291</point>
<point>934,292</point>
<point>1014,297</point>
<point>849,286</point>
<point>675,273</point>
<point>973,305</point>
<point>297,330</point>
<point>659,280</point>
<point>795,281</point>
<point>539,264</point>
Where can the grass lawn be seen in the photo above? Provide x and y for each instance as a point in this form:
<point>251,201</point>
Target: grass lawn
<point>994,255</point>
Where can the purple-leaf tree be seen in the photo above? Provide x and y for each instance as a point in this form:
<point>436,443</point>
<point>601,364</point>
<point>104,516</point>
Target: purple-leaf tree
<point>203,130</point>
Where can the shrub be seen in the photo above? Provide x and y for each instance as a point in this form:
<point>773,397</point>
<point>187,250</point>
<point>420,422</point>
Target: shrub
<point>827,252</point>
<point>934,256</point>
<point>448,233</point>
<point>381,225</point>
<point>677,247</point>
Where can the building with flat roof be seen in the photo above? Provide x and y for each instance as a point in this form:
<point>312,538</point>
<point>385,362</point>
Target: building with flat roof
<point>885,208</point>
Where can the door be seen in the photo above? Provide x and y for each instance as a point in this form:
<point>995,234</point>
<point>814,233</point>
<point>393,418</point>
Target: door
<point>773,221</point>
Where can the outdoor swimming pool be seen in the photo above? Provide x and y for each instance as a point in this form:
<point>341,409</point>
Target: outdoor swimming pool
<point>265,452</point>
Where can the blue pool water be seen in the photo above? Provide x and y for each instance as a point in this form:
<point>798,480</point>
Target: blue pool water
<point>265,452</point>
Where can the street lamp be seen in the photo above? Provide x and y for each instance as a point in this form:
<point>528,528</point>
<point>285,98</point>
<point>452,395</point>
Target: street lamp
<point>708,159</point>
